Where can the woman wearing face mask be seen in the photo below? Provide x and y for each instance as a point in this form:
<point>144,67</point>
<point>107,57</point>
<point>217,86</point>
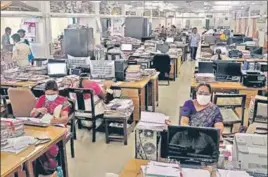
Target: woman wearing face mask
<point>201,112</point>
<point>48,102</point>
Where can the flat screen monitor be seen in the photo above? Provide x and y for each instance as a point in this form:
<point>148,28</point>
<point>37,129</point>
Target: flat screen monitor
<point>57,68</point>
<point>228,68</point>
<point>170,39</point>
<point>193,144</point>
<point>205,67</point>
<point>126,47</point>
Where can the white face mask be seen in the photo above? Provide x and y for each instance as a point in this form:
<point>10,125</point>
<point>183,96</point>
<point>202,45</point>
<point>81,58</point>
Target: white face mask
<point>51,97</point>
<point>203,99</point>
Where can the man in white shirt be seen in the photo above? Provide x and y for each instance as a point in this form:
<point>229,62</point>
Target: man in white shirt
<point>20,51</point>
<point>194,42</point>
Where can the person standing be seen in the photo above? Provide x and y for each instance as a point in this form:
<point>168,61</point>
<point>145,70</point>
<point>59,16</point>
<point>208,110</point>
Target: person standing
<point>21,51</point>
<point>22,33</point>
<point>6,39</point>
<point>194,42</point>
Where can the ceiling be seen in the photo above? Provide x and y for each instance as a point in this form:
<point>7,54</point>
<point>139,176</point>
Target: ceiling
<point>192,6</point>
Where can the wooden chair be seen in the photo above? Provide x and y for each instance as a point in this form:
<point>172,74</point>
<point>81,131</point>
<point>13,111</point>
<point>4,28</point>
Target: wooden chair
<point>229,113</point>
<point>80,112</point>
<point>71,136</point>
<point>21,107</point>
<point>260,120</point>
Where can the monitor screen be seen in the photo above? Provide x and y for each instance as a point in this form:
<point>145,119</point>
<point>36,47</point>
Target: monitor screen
<point>126,47</point>
<point>57,69</point>
<point>193,144</point>
<point>228,69</point>
<point>205,67</point>
<point>170,39</point>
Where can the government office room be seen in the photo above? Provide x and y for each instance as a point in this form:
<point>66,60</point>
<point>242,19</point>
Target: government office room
<point>134,88</point>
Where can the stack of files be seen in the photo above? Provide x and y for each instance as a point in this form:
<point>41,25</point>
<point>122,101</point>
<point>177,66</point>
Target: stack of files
<point>13,127</point>
<point>149,72</point>
<point>119,108</point>
<point>133,73</point>
<point>171,170</point>
<point>205,77</point>
<point>152,121</point>
<point>16,145</point>
<point>246,54</point>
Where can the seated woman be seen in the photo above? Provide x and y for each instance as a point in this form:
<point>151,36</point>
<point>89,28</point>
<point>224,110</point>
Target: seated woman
<point>219,56</point>
<point>48,102</point>
<point>201,112</point>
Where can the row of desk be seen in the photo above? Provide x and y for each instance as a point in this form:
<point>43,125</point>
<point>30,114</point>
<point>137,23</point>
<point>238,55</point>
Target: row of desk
<point>144,93</point>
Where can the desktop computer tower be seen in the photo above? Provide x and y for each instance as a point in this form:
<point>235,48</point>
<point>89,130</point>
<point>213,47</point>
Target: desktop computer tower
<point>120,69</point>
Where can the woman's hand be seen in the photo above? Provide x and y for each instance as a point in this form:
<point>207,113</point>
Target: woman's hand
<point>168,122</point>
<point>42,110</point>
<point>54,120</point>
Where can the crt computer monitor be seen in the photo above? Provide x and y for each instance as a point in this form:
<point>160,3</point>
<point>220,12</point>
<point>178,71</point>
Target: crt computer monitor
<point>126,47</point>
<point>228,68</point>
<point>57,68</point>
<point>193,144</point>
<point>205,67</point>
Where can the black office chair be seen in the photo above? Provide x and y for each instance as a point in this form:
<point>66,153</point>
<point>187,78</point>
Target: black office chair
<point>80,113</point>
<point>162,64</point>
<point>259,119</point>
<point>228,110</point>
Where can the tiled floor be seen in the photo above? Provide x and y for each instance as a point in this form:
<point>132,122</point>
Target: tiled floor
<point>97,159</point>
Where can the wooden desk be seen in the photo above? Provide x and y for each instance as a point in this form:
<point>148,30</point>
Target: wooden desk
<point>137,91</point>
<point>19,84</point>
<point>227,86</point>
<point>11,162</point>
<point>132,168</point>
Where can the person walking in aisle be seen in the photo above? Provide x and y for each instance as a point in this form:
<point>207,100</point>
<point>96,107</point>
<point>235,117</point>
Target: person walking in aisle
<point>194,42</point>
<point>6,40</point>
<point>22,33</point>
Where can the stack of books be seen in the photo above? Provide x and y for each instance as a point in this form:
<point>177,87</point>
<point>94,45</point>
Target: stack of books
<point>133,73</point>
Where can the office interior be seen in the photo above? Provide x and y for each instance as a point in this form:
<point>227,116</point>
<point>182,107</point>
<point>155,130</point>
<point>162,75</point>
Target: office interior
<point>145,88</point>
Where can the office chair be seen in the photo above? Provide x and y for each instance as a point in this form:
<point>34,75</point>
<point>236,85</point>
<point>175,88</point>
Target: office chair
<point>260,117</point>
<point>228,105</point>
<point>80,113</point>
<point>162,64</point>
<point>21,107</point>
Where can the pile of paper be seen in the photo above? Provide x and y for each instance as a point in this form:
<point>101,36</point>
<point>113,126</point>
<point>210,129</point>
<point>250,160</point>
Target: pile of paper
<point>205,77</point>
<point>152,121</point>
<point>133,73</point>
<point>149,72</point>
<point>119,108</point>
<point>16,145</point>
<point>12,127</point>
<point>171,170</point>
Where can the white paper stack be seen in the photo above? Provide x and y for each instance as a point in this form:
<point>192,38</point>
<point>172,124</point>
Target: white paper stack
<point>119,108</point>
<point>171,170</point>
<point>205,77</point>
<point>16,145</point>
<point>13,127</point>
<point>152,121</point>
<point>133,73</point>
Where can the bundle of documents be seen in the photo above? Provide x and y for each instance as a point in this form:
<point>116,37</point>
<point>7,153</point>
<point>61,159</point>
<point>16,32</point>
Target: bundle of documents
<point>205,77</point>
<point>12,127</point>
<point>149,72</point>
<point>119,108</point>
<point>152,121</point>
<point>16,145</point>
<point>171,170</point>
<point>133,73</point>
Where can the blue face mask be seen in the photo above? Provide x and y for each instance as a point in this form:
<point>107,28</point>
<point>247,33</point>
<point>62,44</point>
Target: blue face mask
<point>51,97</point>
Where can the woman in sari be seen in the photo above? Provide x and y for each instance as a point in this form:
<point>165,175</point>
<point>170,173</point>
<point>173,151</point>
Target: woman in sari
<point>201,112</point>
<point>48,102</point>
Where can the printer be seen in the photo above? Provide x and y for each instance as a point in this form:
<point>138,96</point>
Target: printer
<point>253,78</point>
<point>250,152</point>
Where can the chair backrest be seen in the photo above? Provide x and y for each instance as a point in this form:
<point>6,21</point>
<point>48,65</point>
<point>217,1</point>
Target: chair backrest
<point>80,101</point>
<point>162,63</point>
<point>258,108</point>
<point>22,101</point>
<point>180,115</point>
<point>232,97</point>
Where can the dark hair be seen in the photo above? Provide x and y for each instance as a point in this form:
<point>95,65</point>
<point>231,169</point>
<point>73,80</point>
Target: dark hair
<point>21,31</point>
<point>218,52</point>
<point>51,85</point>
<point>194,28</point>
<point>82,77</point>
<point>7,29</point>
<point>16,37</point>
<point>204,84</point>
